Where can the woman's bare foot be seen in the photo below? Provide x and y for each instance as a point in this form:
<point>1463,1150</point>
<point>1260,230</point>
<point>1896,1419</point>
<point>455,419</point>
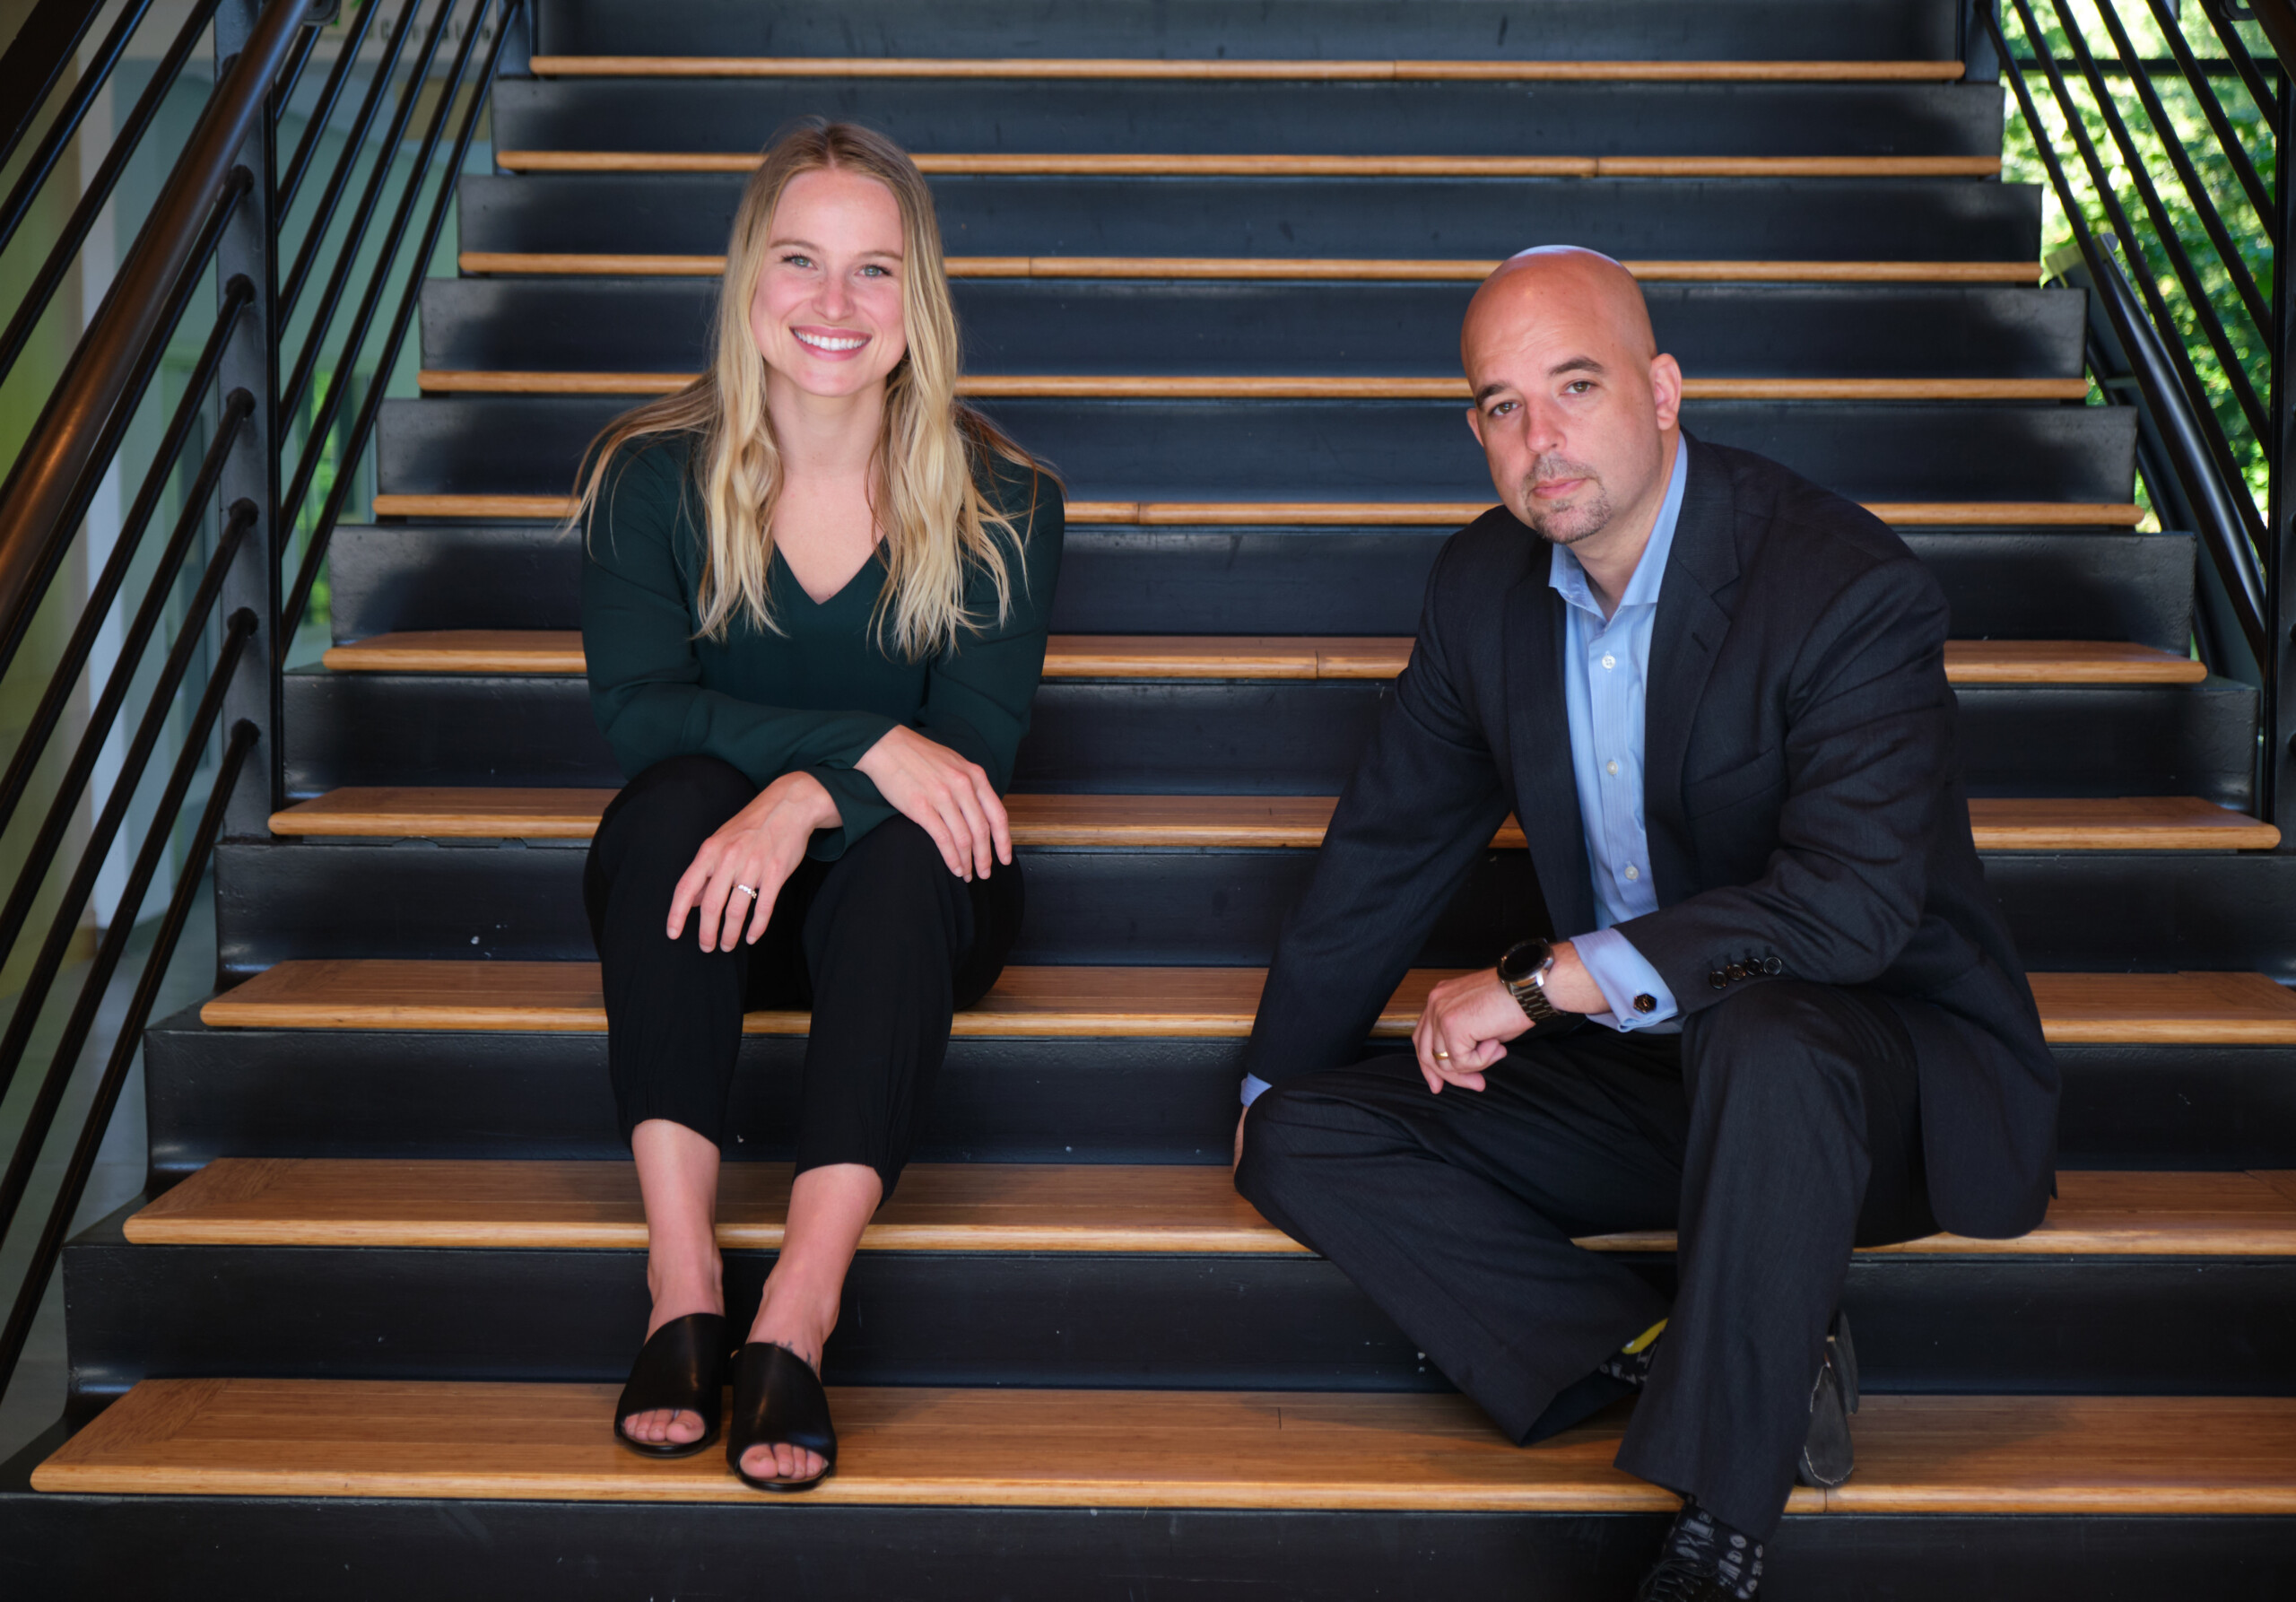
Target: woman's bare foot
<point>790,1317</point>
<point>677,1174</point>
<point>681,1426</point>
<point>829,1207</point>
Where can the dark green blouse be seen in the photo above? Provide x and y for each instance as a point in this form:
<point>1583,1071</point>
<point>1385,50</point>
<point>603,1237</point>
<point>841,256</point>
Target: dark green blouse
<point>819,693</point>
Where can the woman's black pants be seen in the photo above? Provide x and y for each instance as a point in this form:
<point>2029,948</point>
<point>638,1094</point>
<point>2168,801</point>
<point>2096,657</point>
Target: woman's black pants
<point>882,944</point>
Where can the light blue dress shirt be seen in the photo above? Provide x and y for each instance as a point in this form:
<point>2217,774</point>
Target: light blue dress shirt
<point>1605,672</point>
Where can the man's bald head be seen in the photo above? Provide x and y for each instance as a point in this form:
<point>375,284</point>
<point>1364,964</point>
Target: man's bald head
<point>1566,282</point>
<point>1574,406</point>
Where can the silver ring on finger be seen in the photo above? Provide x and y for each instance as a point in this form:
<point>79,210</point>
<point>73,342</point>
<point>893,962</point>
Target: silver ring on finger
<point>746,890</point>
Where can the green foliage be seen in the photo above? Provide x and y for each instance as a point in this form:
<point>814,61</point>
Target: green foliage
<point>2188,128</point>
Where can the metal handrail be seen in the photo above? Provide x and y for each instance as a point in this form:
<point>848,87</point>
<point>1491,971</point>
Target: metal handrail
<point>48,491</point>
<point>224,205</point>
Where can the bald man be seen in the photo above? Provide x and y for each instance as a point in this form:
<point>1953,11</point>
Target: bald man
<point>1774,1009</point>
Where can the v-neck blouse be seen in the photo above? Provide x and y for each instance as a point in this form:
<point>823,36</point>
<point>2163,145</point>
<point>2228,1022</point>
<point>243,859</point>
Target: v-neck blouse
<point>820,692</point>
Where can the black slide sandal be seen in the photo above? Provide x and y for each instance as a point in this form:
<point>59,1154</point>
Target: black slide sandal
<point>778,1401</point>
<point>681,1366</point>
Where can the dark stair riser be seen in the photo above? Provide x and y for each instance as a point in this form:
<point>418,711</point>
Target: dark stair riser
<point>2083,912</point>
<point>1351,330</point>
<point>202,1549</point>
<point>1233,738</point>
<point>1280,29</point>
<point>1415,219</point>
<point>2000,586</point>
<point>1196,1322</point>
<point>1340,450</point>
<point>501,1095</point>
<point>1078,117</point>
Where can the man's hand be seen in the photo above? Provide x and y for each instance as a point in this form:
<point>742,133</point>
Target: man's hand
<point>755,851</point>
<point>1470,1019</point>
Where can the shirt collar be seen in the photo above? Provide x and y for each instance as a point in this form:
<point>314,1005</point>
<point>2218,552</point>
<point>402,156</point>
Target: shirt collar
<point>1568,580</point>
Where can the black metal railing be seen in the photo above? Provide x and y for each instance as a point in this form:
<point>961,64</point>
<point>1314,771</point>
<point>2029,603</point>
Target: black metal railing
<point>303,256</point>
<point>2177,222</point>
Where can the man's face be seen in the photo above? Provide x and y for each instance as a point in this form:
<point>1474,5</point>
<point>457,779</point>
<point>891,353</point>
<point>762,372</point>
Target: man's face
<point>1572,410</point>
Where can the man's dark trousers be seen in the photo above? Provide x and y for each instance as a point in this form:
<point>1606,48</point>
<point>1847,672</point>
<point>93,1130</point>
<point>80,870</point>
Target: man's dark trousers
<point>1777,1130</point>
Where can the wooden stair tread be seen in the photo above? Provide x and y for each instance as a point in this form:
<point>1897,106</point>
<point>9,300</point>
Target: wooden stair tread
<point>1271,657</point>
<point>2191,1009</point>
<point>588,1206</point>
<point>1227,68</point>
<point>2136,822</point>
<point>1257,386</point>
<point>1129,164</point>
<point>1199,514</point>
<point>1291,1449</point>
<point>1385,269</point>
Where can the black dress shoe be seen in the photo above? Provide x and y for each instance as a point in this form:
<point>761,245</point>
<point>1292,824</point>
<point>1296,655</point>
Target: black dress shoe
<point>682,1367</point>
<point>1827,1456</point>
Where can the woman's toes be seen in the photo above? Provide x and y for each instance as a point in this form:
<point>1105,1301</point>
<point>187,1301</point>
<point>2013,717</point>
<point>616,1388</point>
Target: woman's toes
<point>684,1429</point>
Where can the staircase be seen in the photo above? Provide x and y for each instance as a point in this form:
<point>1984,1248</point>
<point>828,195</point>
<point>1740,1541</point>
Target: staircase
<point>363,1336</point>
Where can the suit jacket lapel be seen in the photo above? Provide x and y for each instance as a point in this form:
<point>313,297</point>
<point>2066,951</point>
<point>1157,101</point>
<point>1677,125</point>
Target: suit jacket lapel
<point>1685,639</point>
<point>1547,790</point>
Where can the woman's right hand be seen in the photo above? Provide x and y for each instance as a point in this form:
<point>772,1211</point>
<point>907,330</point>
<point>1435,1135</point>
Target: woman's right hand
<point>756,849</point>
<point>943,793</point>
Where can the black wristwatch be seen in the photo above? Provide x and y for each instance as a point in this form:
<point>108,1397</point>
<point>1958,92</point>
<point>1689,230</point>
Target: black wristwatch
<point>1523,971</point>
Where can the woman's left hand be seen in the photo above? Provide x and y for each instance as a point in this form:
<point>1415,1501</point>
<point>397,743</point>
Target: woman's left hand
<point>754,850</point>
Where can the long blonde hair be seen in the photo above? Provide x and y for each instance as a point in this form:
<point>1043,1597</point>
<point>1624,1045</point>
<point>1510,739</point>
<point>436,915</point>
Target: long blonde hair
<point>939,529</point>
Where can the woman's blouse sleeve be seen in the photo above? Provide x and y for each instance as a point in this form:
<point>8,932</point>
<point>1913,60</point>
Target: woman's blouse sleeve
<point>638,636</point>
<point>977,697</point>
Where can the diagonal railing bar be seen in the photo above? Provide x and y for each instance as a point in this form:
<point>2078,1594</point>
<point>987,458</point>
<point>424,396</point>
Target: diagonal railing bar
<point>2211,106</point>
<point>323,113</point>
<point>93,75</point>
<point>291,504</point>
<point>2236,51</point>
<point>40,1116</point>
<point>62,255</point>
<point>33,997</point>
<point>354,146</point>
<point>74,1184</point>
<point>2164,227</point>
<point>2236,549</point>
<point>284,88</point>
<point>290,394</point>
<point>2156,307</point>
<point>36,61</point>
<point>70,498</point>
<point>31,745</point>
<point>322,532</point>
<point>2204,467</point>
<point>2228,252</point>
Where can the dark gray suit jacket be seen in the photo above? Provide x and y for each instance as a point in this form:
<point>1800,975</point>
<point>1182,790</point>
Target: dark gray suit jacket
<point>1802,797</point>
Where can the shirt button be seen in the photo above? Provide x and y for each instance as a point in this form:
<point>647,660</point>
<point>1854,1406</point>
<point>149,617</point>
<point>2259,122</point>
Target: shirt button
<point>1632,873</point>
<point>1736,971</point>
<point>1718,979</point>
<point>1772,965</point>
<point>1612,766</point>
<point>1609,661</point>
<point>1645,1003</point>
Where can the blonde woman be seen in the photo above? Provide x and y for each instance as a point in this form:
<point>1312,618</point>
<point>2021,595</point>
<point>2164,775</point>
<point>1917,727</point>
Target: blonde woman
<point>813,605</point>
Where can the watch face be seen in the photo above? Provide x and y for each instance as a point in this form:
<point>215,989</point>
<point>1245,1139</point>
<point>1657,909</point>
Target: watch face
<point>1523,959</point>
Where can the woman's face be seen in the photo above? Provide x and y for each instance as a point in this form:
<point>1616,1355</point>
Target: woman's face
<point>827,313</point>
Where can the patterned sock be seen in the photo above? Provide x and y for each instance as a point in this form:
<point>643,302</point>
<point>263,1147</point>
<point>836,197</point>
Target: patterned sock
<point>1700,1539</point>
<point>1631,1362</point>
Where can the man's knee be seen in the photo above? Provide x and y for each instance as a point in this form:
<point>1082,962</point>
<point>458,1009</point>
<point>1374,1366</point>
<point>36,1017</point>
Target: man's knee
<point>1296,1134</point>
<point>1782,1044</point>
